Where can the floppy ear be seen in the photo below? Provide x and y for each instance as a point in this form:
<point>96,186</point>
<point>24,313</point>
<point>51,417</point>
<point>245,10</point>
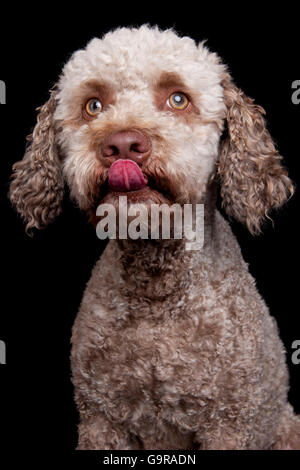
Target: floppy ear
<point>253,180</point>
<point>37,185</point>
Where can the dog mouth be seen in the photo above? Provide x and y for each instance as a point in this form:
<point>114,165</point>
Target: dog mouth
<point>140,186</point>
<point>126,178</point>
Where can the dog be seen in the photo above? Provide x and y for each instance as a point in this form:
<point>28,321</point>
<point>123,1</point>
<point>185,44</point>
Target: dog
<point>171,348</point>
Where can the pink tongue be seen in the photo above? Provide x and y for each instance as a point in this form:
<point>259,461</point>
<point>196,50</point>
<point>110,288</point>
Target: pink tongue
<point>125,175</point>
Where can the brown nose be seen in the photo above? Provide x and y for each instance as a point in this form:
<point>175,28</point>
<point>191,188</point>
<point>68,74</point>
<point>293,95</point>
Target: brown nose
<point>132,145</point>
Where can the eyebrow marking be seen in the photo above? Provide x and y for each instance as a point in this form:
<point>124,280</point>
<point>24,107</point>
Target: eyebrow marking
<point>99,89</point>
<point>169,80</point>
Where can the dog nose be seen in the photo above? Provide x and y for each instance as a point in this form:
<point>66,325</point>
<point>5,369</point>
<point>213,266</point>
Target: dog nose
<point>132,145</point>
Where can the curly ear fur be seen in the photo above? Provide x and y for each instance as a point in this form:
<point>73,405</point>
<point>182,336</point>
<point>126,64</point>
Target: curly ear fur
<point>253,180</point>
<point>37,187</point>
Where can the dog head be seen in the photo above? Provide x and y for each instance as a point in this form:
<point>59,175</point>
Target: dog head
<point>141,113</point>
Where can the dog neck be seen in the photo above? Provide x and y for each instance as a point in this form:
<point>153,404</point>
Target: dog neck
<point>156,269</point>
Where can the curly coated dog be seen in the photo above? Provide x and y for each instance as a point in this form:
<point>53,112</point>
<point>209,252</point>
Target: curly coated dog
<point>171,348</point>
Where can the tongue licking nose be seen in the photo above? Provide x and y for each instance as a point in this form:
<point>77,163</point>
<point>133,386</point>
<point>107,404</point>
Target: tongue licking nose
<point>125,175</point>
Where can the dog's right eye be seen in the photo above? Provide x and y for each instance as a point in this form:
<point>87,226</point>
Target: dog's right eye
<point>93,107</point>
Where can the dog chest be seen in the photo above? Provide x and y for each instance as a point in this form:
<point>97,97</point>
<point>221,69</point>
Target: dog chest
<point>151,368</point>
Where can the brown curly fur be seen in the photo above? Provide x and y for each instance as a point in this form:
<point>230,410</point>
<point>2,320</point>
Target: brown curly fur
<point>37,187</point>
<point>253,181</point>
<point>171,349</point>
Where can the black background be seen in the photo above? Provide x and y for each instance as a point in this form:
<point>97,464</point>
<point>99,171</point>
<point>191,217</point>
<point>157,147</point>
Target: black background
<point>44,277</point>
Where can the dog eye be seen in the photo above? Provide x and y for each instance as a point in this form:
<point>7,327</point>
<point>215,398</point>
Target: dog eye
<point>93,107</point>
<point>178,101</point>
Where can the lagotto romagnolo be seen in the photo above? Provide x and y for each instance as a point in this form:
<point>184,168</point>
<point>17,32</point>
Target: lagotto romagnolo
<point>171,349</point>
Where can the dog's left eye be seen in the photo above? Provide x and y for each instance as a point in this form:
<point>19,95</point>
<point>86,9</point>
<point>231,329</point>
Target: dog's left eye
<point>93,107</point>
<point>178,101</point>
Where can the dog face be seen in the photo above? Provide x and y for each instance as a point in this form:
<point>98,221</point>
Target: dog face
<point>141,113</point>
<point>134,83</point>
